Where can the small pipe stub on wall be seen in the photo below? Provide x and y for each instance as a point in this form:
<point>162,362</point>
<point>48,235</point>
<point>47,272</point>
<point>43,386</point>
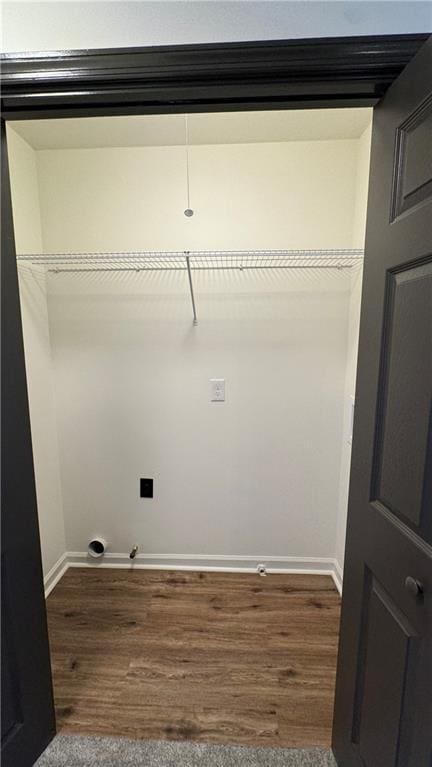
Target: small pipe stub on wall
<point>97,547</point>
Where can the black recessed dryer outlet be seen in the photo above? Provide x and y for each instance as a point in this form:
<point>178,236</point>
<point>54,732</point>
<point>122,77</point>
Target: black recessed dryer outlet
<point>146,488</point>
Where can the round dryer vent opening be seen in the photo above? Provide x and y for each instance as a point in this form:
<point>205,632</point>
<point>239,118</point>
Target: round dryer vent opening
<point>97,547</point>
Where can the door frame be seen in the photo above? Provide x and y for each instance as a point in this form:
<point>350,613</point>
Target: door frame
<point>280,74</point>
<point>286,74</point>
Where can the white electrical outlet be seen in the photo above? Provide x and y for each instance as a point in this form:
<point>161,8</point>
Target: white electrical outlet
<point>217,389</point>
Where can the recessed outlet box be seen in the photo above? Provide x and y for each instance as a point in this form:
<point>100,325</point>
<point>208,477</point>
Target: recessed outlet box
<point>146,488</point>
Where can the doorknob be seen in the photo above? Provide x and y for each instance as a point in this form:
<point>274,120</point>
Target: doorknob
<point>414,586</point>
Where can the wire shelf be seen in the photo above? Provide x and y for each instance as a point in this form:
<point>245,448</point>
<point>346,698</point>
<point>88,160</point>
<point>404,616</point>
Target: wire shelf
<point>192,261</point>
<point>197,260</point>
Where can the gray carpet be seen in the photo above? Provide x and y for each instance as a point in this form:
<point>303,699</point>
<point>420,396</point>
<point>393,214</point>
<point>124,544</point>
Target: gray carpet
<point>80,751</point>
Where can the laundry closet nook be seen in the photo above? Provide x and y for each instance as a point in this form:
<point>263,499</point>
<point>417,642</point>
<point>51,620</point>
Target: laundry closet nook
<point>190,294</point>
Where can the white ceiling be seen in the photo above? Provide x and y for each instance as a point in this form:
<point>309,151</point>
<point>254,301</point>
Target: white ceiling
<point>57,25</point>
<point>214,128</point>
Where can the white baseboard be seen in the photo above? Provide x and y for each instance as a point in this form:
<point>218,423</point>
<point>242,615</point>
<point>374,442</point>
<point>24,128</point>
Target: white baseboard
<point>337,575</point>
<point>207,562</point>
<point>200,562</point>
<point>57,571</point>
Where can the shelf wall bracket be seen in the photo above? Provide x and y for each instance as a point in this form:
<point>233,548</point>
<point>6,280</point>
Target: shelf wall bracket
<point>189,271</point>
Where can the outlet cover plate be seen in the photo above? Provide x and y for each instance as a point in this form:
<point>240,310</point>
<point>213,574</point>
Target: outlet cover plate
<point>217,389</point>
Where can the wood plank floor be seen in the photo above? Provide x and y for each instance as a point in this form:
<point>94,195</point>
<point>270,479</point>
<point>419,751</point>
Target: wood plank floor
<point>213,657</point>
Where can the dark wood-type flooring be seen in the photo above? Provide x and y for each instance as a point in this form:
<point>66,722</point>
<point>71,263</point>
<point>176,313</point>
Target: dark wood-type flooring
<point>213,657</point>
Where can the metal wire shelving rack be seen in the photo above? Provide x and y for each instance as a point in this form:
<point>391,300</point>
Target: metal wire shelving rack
<point>190,261</point>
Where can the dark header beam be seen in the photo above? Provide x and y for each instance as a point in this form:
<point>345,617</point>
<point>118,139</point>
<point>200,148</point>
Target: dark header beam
<point>264,75</point>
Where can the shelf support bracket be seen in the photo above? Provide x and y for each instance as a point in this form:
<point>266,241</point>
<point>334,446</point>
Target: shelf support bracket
<point>189,271</point>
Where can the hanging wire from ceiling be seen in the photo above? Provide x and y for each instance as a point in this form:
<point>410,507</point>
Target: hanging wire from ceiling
<point>188,212</point>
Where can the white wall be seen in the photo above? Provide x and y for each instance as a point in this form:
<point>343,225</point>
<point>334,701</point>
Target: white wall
<point>362,183</point>
<point>276,195</point>
<point>362,186</point>
<point>31,26</point>
<point>258,475</point>
<point>32,282</point>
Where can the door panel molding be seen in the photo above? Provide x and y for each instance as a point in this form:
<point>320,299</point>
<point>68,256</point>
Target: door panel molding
<point>406,196</point>
<point>402,430</point>
<point>383,700</point>
<point>401,527</point>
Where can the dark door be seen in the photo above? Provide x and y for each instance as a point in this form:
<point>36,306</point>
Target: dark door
<point>27,721</point>
<point>383,714</point>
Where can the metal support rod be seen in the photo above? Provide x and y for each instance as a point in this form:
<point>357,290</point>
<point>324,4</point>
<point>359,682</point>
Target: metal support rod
<point>187,256</point>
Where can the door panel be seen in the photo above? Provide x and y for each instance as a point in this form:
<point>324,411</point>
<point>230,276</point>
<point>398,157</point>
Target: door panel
<point>405,393</point>
<point>390,647</point>
<point>28,722</point>
<point>412,182</point>
<point>383,710</point>
<point>11,714</point>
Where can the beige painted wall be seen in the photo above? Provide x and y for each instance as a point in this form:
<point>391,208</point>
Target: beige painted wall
<point>25,194</point>
<point>258,475</point>
<point>362,186</point>
<point>37,346</point>
<point>359,229</point>
<point>261,474</point>
<point>276,195</point>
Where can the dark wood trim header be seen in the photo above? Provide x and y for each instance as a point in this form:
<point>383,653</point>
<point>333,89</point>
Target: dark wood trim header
<point>272,74</point>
